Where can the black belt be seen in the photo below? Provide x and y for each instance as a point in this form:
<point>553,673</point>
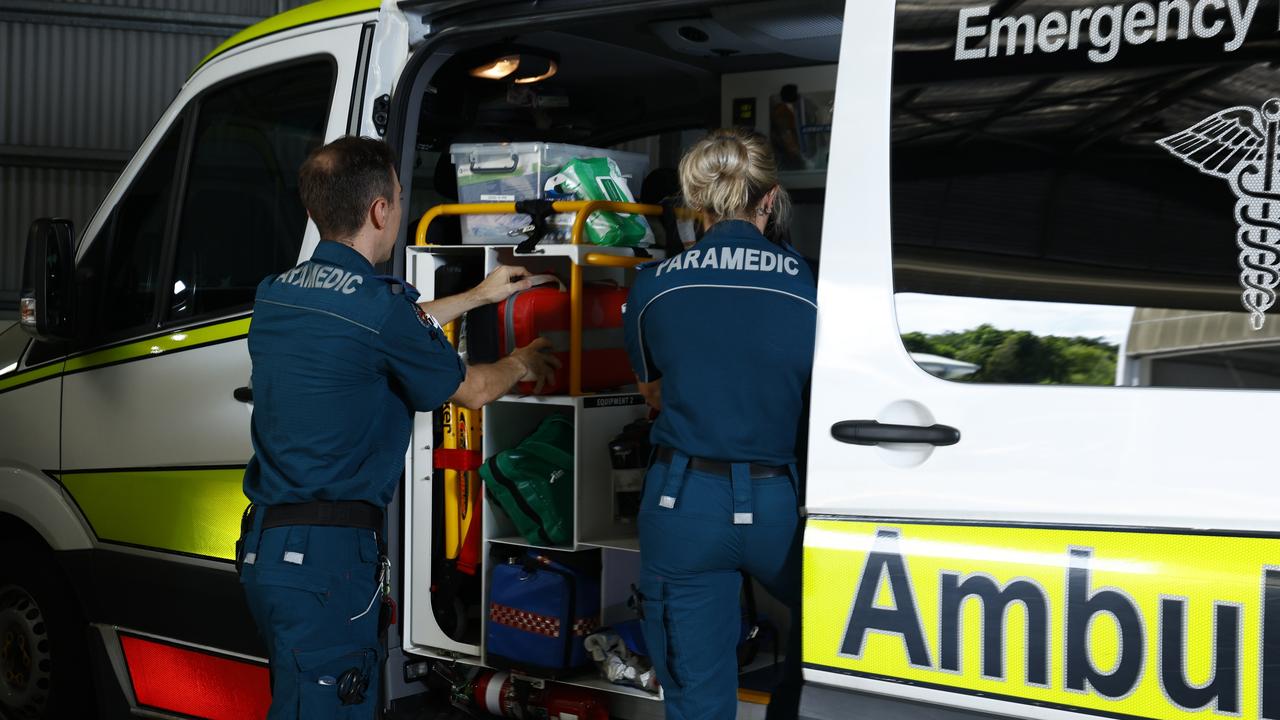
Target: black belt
<point>337,513</point>
<point>720,467</point>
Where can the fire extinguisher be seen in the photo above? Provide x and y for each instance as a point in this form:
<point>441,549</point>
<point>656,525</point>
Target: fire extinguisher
<point>498,693</point>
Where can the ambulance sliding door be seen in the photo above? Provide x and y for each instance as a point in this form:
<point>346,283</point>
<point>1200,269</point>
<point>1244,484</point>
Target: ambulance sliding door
<point>1033,208</point>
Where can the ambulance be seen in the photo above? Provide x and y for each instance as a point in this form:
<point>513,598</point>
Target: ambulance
<point>1007,543</point>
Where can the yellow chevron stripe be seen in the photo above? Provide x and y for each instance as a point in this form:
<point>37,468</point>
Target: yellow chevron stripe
<point>297,17</point>
<point>30,376</point>
<point>181,340</point>
<point>189,511</point>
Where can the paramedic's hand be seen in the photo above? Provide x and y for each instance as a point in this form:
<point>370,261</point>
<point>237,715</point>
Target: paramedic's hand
<point>501,283</point>
<point>539,364</point>
<point>485,383</point>
<point>495,288</point>
<point>652,392</point>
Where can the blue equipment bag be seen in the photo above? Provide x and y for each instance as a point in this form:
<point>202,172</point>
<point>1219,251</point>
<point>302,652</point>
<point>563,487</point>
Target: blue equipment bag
<point>540,610</point>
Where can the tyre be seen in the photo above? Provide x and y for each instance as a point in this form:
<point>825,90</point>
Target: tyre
<point>44,670</point>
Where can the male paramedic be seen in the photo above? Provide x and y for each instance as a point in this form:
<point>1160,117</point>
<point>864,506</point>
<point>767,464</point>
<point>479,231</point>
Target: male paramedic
<point>342,359</point>
<point>721,338</point>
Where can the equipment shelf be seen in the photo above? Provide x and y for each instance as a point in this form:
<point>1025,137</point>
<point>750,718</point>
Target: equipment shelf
<point>597,419</point>
<point>595,682</point>
<point>629,543</point>
<point>566,400</point>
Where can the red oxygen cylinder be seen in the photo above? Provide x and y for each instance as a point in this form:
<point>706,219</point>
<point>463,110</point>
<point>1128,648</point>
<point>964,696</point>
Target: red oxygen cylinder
<point>496,694</point>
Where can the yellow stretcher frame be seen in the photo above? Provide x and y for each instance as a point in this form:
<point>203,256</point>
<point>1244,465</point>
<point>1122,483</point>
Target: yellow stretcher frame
<point>582,209</point>
<point>461,431</point>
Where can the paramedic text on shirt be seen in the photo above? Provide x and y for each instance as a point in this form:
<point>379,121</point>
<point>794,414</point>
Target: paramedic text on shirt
<point>721,338</point>
<point>342,359</point>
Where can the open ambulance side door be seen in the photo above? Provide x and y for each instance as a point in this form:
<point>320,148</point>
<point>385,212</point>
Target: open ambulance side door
<point>1080,550</point>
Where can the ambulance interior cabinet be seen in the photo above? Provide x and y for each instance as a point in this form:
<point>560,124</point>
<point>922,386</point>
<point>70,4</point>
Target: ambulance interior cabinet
<point>597,420</point>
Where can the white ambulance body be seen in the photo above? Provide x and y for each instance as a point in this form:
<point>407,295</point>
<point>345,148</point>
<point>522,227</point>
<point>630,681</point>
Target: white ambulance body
<point>1008,545</point>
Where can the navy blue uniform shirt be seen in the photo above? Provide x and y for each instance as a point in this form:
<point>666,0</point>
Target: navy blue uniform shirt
<point>728,326</point>
<point>340,365</point>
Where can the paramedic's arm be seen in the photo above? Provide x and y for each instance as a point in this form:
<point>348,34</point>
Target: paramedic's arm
<point>652,392</point>
<point>485,383</point>
<point>498,286</point>
<point>648,378</point>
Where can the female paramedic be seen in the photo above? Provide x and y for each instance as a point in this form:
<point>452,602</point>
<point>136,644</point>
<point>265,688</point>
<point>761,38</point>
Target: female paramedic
<point>721,338</point>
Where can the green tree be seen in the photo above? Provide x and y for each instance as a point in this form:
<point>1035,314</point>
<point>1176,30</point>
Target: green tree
<point>1018,356</point>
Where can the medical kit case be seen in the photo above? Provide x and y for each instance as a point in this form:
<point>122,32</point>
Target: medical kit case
<point>544,312</point>
<point>541,607</point>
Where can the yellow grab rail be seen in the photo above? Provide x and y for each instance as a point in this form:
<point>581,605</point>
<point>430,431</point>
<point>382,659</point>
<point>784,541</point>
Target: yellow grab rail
<point>582,209</point>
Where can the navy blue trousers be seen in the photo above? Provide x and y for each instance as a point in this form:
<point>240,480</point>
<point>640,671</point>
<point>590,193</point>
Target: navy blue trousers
<point>309,588</point>
<point>691,555</point>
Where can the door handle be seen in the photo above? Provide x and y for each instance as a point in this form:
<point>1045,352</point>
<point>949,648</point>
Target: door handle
<point>243,394</point>
<point>870,432</point>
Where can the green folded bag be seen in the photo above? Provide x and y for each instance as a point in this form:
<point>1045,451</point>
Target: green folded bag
<point>599,178</point>
<point>533,483</point>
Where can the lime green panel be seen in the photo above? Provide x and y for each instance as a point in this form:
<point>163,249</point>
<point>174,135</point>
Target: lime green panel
<point>30,376</point>
<point>297,17</point>
<point>189,511</point>
<point>180,340</point>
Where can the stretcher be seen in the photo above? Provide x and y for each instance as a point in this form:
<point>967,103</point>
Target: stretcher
<point>460,462</point>
<point>457,459</point>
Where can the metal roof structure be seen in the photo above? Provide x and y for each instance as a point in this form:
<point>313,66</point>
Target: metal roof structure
<point>81,83</point>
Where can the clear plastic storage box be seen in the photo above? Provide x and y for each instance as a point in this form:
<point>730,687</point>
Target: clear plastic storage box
<point>506,172</point>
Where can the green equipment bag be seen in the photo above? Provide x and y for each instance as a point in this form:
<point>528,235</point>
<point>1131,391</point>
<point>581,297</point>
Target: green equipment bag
<point>533,483</point>
<point>599,178</point>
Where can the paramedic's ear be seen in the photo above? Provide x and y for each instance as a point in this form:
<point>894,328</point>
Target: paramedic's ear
<point>380,213</point>
<point>770,198</point>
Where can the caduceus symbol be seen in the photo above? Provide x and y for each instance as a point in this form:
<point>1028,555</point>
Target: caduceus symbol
<point>1239,145</point>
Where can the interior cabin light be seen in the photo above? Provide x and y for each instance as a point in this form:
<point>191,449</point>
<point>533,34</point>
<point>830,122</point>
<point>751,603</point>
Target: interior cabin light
<point>519,66</point>
<point>497,69</point>
<point>535,69</point>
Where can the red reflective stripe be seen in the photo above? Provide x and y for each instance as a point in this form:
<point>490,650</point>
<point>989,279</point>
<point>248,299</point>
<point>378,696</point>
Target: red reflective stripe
<point>459,459</point>
<point>195,683</point>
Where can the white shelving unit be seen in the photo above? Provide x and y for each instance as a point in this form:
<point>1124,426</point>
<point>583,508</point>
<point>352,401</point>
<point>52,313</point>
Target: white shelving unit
<point>597,420</point>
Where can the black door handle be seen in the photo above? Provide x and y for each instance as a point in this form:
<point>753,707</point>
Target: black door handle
<point>870,432</point>
<point>243,394</point>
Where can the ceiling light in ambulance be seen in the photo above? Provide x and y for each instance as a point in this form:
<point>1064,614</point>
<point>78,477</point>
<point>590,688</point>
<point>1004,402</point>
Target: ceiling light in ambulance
<point>534,68</point>
<point>497,69</point>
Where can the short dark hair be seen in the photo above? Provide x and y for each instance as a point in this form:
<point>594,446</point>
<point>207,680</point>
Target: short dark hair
<point>339,181</point>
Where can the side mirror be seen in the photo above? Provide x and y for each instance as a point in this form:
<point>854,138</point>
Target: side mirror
<point>45,303</point>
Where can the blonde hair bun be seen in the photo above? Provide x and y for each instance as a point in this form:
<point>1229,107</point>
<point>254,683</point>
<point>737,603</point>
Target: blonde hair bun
<point>727,174</point>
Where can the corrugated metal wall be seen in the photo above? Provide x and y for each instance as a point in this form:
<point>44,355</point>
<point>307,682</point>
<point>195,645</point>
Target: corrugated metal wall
<point>81,83</point>
<point>224,7</point>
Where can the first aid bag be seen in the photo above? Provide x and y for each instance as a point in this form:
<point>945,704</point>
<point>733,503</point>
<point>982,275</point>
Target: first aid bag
<point>541,608</point>
<point>601,179</point>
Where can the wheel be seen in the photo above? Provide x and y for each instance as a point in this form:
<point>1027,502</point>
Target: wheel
<point>44,672</point>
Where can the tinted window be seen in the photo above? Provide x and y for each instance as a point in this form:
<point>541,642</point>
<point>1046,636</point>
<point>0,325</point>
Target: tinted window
<point>118,277</point>
<point>241,218</point>
<point>1084,202</point>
